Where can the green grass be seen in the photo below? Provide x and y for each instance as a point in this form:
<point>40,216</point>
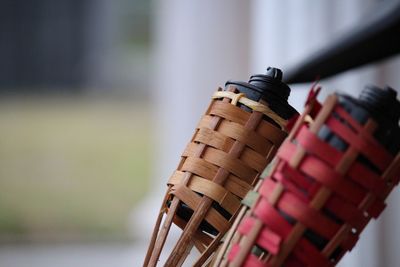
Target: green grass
<point>71,167</point>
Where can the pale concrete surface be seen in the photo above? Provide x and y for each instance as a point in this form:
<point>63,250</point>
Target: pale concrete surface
<point>77,255</point>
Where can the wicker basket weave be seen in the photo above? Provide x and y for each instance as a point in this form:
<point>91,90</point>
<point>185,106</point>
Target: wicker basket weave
<point>221,163</point>
<point>313,184</point>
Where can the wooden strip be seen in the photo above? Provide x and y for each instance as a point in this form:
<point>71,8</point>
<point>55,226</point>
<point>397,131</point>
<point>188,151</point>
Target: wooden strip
<point>215,191</point>
<point>269,131</point>
<point>155,231</point>
<point>358,172</point>
<point>375,153</point>
<point>229,112</point>
<point>247,244</point>
<point>213,138</point>
<point>199,167</point>
<point>219,141</point>
<point>254,160</point>
<point>237,186</point>
<point>224,160</point>
<point>233,184</point>
<point>260,142</point>
<point>192,199</point>
<point>254,105</point>
<point>251,138</point>
<point>228,238</point>
<point>306,215</point>
<point>205,255</point>
<point>212,248</point>
<point>231,164</point>
<point>200,239</point>
<point>162,236</point>
<point>259,139</point>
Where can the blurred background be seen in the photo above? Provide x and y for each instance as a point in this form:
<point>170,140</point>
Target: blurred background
<point>98,99</point>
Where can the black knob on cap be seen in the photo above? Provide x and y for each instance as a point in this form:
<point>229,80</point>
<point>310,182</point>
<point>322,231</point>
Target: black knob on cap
<point>271,83</point>
<point>270,88</point>
<point>381,101</point>
<point>274,73</point>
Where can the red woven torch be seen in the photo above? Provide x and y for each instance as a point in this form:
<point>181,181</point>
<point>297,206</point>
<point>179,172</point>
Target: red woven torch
<point>330,177</point>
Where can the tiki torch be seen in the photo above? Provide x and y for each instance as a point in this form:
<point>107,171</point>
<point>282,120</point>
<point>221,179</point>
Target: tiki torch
<point>331,176</point>
<point>234,141</point>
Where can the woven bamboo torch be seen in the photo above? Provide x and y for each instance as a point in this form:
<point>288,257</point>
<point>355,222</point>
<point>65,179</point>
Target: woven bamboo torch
<point>330,177</point>
<point>234,141</point>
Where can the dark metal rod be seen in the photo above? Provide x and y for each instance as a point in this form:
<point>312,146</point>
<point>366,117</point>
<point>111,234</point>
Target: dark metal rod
<point>377,39</point>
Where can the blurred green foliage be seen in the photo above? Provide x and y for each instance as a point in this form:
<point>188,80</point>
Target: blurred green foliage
<point>71,167</point>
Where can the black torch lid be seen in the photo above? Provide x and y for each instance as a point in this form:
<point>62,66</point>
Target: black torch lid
<point>270,88</point>
<point>382,105</point>
<point>381,102</point>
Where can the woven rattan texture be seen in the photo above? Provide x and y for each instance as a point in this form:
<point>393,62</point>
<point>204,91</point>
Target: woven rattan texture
<point>328,195</point>
<point>222,162</point>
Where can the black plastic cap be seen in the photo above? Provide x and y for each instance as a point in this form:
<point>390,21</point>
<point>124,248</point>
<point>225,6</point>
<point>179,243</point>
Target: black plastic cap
<point>271,83</point>
<point>382,102</point>
<point>270,88</point>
